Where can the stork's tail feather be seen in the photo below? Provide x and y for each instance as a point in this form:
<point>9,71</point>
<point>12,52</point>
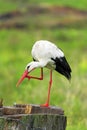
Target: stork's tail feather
<point>63,67</point>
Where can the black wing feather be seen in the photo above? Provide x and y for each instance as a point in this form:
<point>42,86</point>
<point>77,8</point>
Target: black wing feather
<point>62,67</point>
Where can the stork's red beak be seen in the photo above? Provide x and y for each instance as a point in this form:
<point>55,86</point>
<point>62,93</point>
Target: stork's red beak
<point>22,78</point>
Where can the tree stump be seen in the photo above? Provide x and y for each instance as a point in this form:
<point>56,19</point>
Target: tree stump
<point>32,117</point>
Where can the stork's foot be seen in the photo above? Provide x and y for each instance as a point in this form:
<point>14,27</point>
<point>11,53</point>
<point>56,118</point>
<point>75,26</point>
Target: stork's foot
<point>44,105</point>
<point>27,76</point>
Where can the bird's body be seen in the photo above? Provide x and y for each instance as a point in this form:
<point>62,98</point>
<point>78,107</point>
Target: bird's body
<point>46,54</point>
<point>44,50</point>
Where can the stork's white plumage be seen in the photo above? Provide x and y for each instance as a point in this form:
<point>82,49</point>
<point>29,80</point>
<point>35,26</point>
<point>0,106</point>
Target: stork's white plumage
<point>46,54</point>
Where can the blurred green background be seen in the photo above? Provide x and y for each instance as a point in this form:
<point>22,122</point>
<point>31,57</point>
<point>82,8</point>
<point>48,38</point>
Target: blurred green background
<point>22,22</point>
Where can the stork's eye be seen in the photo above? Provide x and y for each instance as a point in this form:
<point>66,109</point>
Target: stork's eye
<point>28,67</point>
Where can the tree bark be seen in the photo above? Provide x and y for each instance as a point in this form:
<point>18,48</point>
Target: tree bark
<point>36,118</point>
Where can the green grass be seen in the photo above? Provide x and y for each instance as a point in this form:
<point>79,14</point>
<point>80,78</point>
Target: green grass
<point>8,5</point>
<point>80,4</point>
<point>15,53</point>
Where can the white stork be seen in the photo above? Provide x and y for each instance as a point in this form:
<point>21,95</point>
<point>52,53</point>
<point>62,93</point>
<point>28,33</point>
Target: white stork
<point>46,54</point>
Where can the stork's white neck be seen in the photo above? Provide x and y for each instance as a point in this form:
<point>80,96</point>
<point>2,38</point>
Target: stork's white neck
<point>34,64</point>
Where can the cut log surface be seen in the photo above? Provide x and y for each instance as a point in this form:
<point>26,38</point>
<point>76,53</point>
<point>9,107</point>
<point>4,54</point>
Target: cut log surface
<point>30,109</point>
<point>32,117</point>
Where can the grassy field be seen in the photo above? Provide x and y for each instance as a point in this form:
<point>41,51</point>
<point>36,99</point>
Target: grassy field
<point>15,53</point>
<point>14,4</point>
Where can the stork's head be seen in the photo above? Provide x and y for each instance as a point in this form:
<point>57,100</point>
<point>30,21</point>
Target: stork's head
<point>28,69</point>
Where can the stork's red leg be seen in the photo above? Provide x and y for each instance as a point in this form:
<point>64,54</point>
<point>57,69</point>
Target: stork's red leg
<point>49,88</point>
<point>38,78</point>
